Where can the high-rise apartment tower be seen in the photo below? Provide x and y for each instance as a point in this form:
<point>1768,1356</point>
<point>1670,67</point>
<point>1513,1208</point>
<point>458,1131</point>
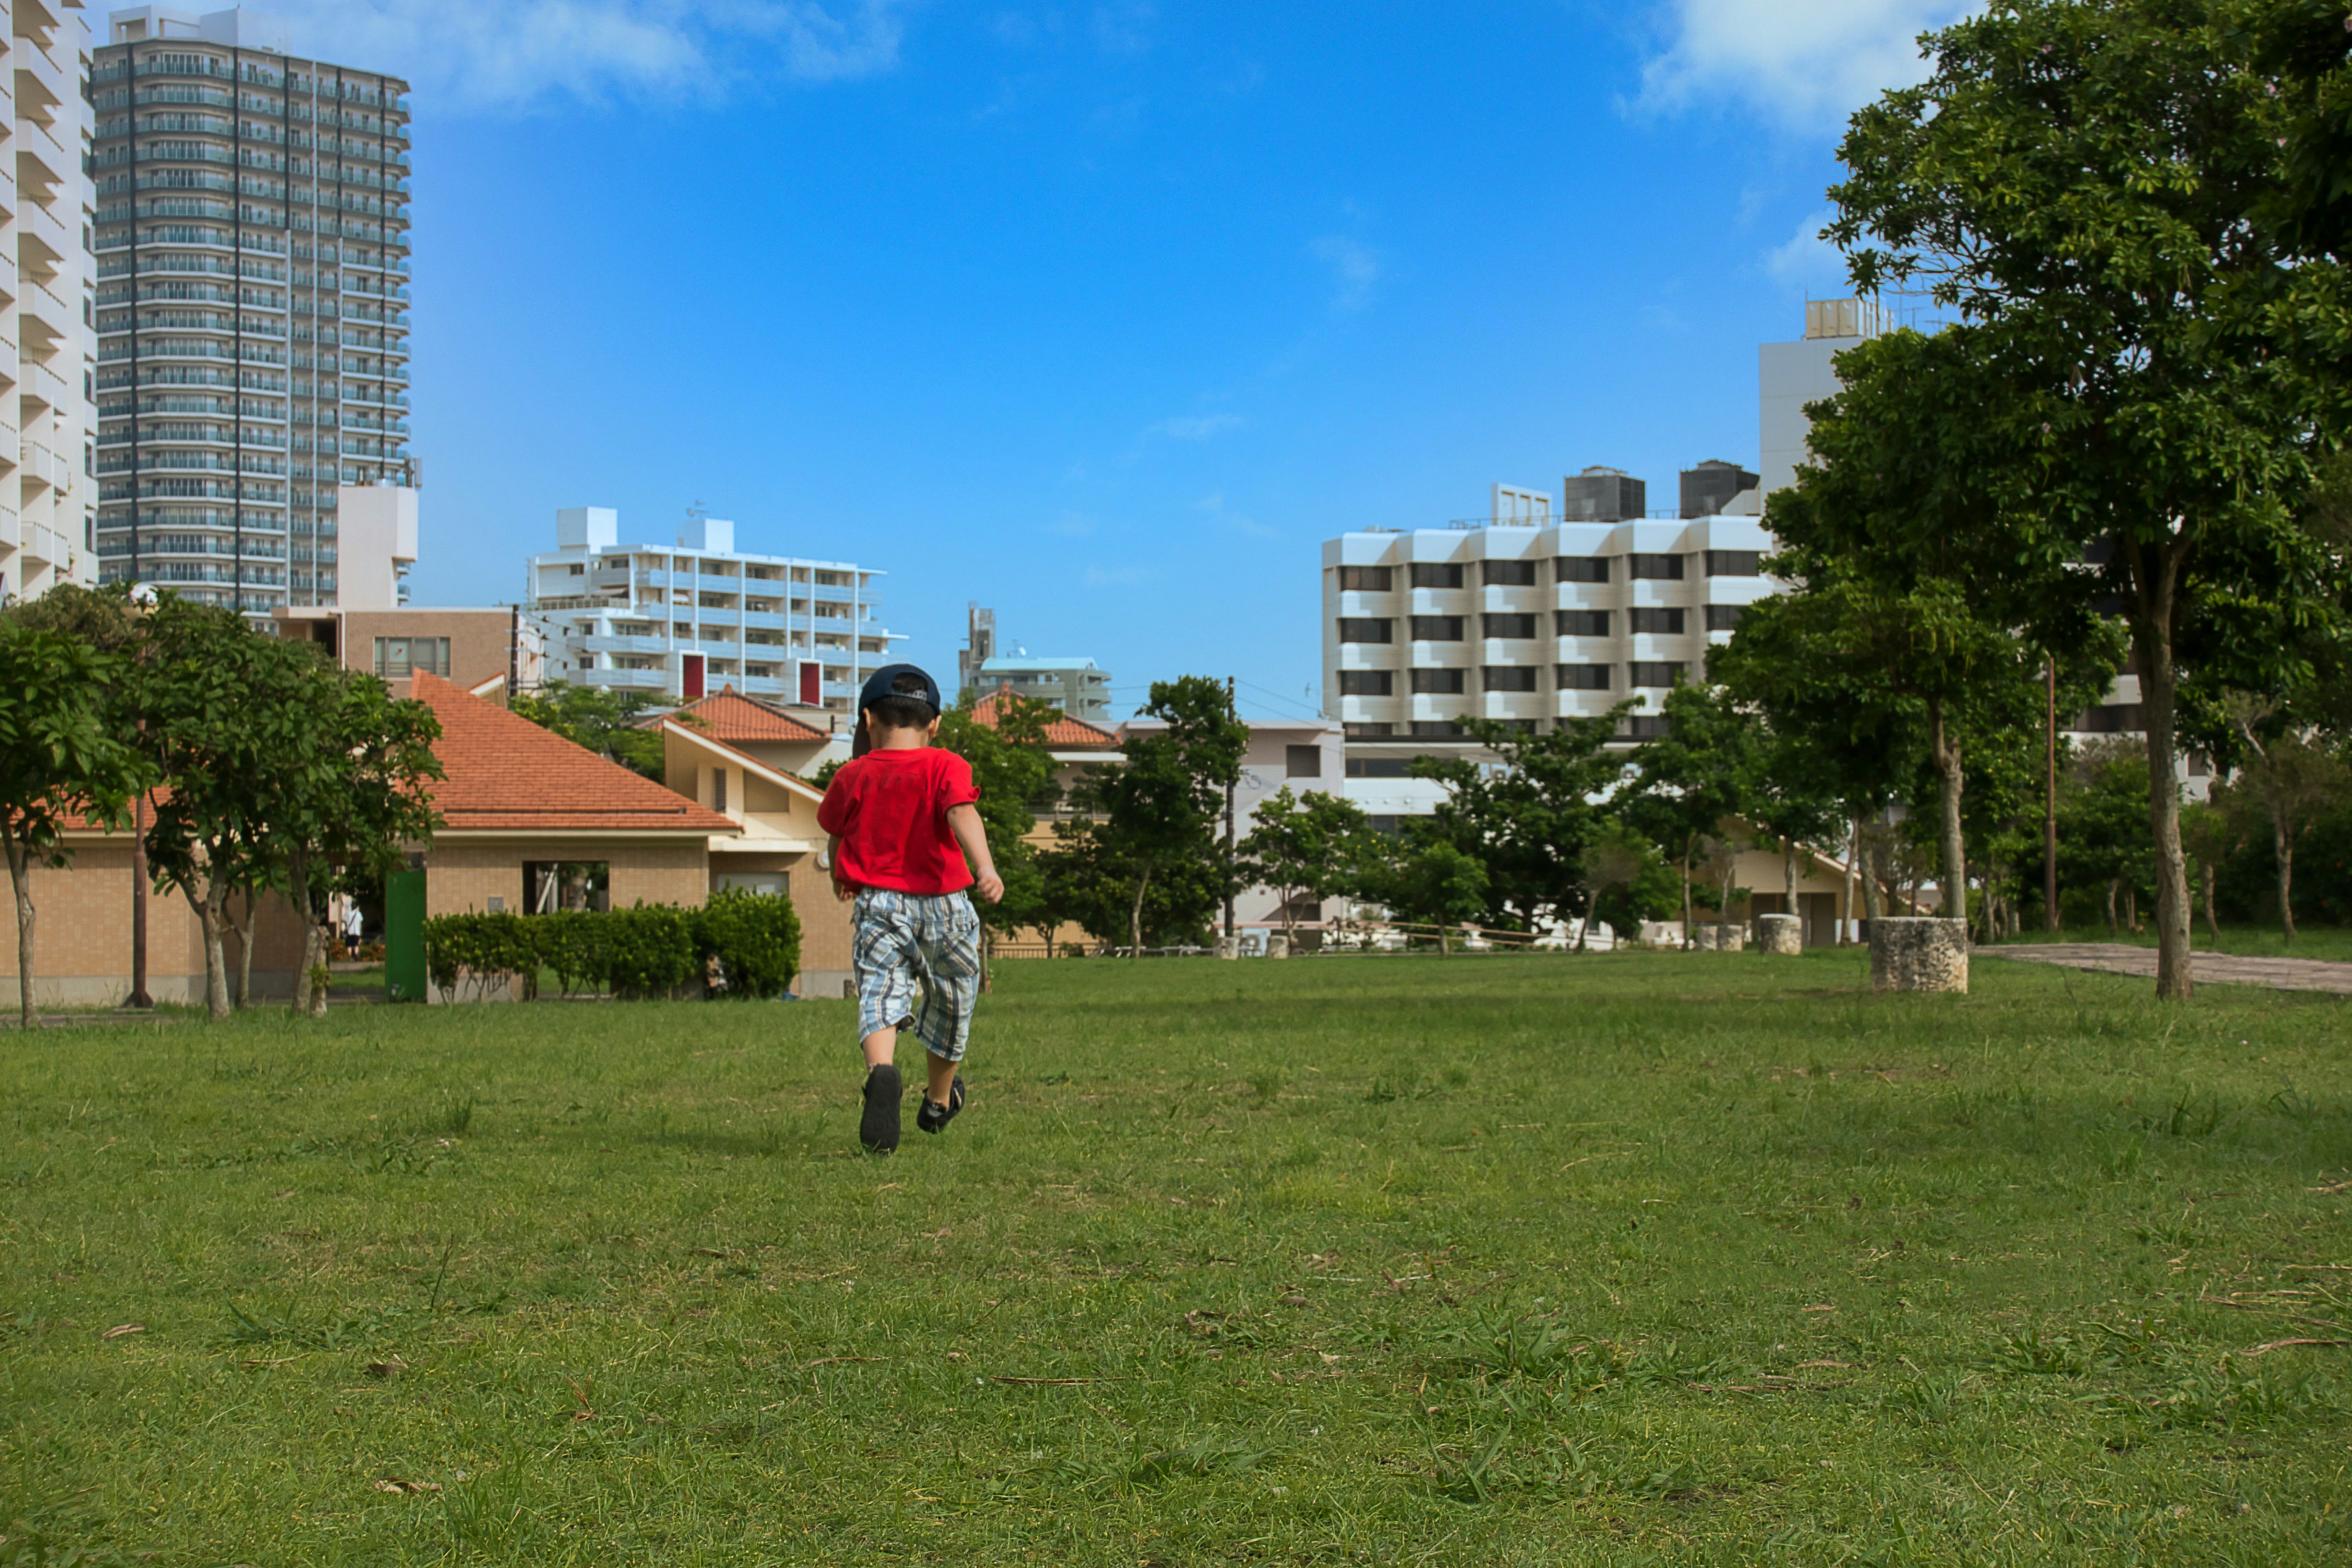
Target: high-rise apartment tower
<point>252,310</point>
<point>48,498</point>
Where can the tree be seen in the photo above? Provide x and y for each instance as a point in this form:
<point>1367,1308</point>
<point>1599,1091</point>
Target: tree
<point>2102,815</point>
<point>2297,780</point>
<point>1624,878</point>
<point>1527,821</point>
<point>1701,771</point>
<point>350,810</point>
<point>609,723</point>
<point>1314,846</point>
<point>2086,185</point>
<point>1431,880</point>
<point>1155,817</point>
<point>2211,832</point>
<point>59,758</point>
<point>1015,771</point>
<point>1719,853</point>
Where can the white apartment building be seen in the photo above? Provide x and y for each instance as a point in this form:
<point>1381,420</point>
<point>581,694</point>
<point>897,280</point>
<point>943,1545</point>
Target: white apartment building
<point>251,228</point>
<point>48,493</point>
<point>682,620</point>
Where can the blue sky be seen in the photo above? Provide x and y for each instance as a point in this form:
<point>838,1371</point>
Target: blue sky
<point>1104,314</point>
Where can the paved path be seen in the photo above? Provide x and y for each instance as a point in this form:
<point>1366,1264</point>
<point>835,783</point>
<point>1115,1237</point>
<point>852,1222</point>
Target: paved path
<point>2206,968</point>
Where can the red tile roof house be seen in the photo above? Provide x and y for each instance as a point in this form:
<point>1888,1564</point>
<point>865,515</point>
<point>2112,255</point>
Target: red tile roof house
<point>520,802</point>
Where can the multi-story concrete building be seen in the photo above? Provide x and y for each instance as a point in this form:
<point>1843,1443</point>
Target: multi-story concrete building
<point>1075,686</point>
<point>47,495</point>
<point>681,620</point>
<point>252,241</point>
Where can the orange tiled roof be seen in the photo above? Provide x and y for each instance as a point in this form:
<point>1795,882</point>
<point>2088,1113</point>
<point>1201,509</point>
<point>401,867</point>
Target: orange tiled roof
<point>1062,732</point>
<point>727,715</point>
<point>507,775</point>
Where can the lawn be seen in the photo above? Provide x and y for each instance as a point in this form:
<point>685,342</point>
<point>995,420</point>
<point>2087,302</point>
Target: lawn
<point>1627,1258</point>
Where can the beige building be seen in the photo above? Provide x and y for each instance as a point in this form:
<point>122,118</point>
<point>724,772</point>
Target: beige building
<point>490,652</point>
<point>48,497</point>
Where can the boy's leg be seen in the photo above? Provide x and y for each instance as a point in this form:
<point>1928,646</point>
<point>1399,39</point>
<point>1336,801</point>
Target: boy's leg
<point>950,953</point>
<point>942,1075</point>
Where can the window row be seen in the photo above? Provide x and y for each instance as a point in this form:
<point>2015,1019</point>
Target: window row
<point>1565,569</point>
<point>1512,678</point>
<point>1632,727</point>
<point>1646,621</point>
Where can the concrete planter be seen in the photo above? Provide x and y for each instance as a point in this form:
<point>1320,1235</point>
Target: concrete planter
<point>1780,933</point>
<point>1277,945</point>
<point>1909,954</point>
<point>1709,937</point>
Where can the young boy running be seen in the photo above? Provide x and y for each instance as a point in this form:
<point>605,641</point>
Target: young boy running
<point>907,841</point>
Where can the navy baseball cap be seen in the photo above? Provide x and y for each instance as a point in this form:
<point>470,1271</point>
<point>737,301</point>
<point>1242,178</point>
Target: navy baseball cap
<point>883,683</point>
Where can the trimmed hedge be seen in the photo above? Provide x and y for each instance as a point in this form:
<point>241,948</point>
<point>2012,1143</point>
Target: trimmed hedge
<point>741,945</point>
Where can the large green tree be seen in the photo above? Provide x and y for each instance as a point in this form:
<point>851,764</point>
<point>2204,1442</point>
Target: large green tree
<point>1315,846</point>
<point>1528,818</point>
<point>1014,770</point>
<point>1701,770</point>
<point>612,724</point>
<point>1152,823</point>
<point>2085,183</point>
<point>60,757</point>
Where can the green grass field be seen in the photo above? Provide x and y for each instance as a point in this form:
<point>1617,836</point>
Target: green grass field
<point>1635,1258</point>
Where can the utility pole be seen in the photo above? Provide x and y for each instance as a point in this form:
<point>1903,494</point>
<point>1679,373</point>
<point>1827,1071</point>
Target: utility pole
<point>1233,714</point>
<point>2049,803</point>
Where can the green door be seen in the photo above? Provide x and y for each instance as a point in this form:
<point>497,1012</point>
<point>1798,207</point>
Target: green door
<point>404,936</point>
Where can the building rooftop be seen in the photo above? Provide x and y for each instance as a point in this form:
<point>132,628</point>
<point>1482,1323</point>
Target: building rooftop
<point>730,716</point>
<point>507,775</point>
<point>1062,732</point>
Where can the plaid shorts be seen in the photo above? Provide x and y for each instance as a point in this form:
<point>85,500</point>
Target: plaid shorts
<point>899,938</point>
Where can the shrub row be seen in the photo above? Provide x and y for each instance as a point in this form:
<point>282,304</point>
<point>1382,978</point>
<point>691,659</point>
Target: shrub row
<point>740,945</point>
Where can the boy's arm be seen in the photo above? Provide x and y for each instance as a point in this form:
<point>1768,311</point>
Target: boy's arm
<point>963,821</point>
<point>841,887</point>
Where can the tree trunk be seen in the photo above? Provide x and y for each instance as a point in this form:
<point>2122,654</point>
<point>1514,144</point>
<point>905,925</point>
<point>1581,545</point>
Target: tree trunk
<point>2213,923</point>
<point>1687,898</point>
<point>1952,847</point>
<point>244,929</point>
<point>211,916</point>
<point>2131,910</point>
<point>1135,917</point>
<point>1789,875</point>
<point>2285,846</point>
<point>20,877</point>
<point>1845,887</point>
<point>2114,885</point>
<point>1873,891</point>
<point>1723,914</point>
<point>2156,576</point>
<point>1445,945</point>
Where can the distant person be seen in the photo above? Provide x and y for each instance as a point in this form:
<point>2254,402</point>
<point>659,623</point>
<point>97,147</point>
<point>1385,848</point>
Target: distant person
<point>905,842</point>
<point>355,923</point>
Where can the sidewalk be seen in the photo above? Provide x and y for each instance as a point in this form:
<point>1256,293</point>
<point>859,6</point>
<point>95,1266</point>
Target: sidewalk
<point>2205,968</point>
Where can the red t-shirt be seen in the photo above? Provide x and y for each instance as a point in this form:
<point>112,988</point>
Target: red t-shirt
<point>889,809</point>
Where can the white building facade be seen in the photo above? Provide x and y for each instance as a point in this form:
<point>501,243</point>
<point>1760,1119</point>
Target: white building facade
<point>1525,626</point>
<point>251,231</point>
<point>48,493</point>
<point>678,621</point>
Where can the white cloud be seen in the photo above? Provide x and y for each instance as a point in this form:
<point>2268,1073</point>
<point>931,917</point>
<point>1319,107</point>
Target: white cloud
<point>504,54</point>
<point>1195,428</point>
<point>1807,259</point>
<point>1354,270</point>
<point>1807,66</point>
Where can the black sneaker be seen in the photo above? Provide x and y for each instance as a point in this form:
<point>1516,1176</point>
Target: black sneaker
<point>931,1118</point>
<point>878,1128</point>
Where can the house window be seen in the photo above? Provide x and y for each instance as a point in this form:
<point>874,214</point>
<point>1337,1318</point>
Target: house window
<point>1438,682</point>
<point>1723,617</point>
<point>1302,761</point>
<point>1735,564</point>
<point>1581,569</point>
<point>1659,568</point>
<point>718,789</point>
<point>1437,628</point>
<point>1435,575</point>
<point>1437,729</point>
<point>578,571</point>
<point>1365,579</point>
<point>1364,631</point>
<point>1657,623</point>
<point>1367,682</point>
<point>1510,573</point>
<point>1510,678</point>
<point>1584,677</point>
<point>1513,628</point>
<point>1366,732</point>
<point>1654,672</point>
<point>1581,623</point>
<point>1380,767</point>
<point>548,885</point>
<point>397,658</point>
<point>1645,727</point>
